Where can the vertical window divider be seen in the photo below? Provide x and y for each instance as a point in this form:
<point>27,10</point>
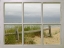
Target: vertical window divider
<point>60,23</point>
<point>4,23</point>
<point>22,23</point>
<point>41,23</point>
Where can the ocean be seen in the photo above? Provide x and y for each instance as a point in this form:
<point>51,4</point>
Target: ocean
<point>37,19</point>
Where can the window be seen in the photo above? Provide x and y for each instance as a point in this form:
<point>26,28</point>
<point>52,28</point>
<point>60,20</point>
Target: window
<point>32,33</point>
<point>32,23</point>
<point>51,12</point>
<point>13,13</point>
<point>51,15</point>
<point>13,34</point>
<point>36,24</point>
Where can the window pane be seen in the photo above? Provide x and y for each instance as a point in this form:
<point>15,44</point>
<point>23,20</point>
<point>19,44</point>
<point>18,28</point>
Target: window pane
<point>32,34</point>
<point>13,13</point>
<point>51,34</point>
<point>32,12</point>
<point>13,34</point>
<point>51,13</point>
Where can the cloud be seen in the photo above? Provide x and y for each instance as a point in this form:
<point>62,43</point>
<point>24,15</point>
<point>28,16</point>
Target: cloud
<point>51,9</point>
<point>32,9</point>
<point>13,13</point>
<point>13,9</point>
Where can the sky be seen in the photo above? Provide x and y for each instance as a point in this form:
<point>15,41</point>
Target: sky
<point>32,9</point>
<point>51,10</point>
<point>29,9</point>
<point>32,12</point>
<point>13,9</point>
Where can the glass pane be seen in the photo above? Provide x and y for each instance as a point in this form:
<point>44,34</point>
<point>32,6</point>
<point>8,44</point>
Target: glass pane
<point>13,13</point>
<point>32,12</point>
<point>51,13</point>
<point>32,34</point>
<point>13,34</point>
<point>51,34</point>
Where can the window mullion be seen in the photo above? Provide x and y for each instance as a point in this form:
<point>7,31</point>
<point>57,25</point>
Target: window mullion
<point>22,23</point>
<point>42,23</point>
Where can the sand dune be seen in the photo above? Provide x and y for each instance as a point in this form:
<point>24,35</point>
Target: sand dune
<point>50,40</point>
<point>54,40</point>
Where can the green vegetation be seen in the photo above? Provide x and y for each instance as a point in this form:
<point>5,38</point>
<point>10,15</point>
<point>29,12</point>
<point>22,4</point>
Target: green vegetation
<point>28,37</point>
<point>27,28</point>
<point>11,39</point>
<point>12,30</point>
<point>33,27</point>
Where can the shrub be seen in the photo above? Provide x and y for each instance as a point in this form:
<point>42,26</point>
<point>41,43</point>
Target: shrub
<point>10,39</point>
<point>27,28</point>
<point>35,27</point>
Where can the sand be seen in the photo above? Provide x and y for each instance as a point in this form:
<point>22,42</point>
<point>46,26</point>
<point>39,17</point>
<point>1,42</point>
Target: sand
<point>53,40</point>
<point>50,40</point>
<point>37,40</point>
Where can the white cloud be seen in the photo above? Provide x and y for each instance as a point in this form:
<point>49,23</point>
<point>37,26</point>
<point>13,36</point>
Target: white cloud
<point>32,9</point>
<point>13,9</point>
<point>51,9</point>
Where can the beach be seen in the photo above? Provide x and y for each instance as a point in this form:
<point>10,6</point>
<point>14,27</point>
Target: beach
<point>55,39</point>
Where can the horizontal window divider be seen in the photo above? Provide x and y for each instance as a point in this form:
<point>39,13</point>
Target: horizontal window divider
<point>32,2</point>
<point>32,23</point>
<point>13,23</point>
<point>37,23</point>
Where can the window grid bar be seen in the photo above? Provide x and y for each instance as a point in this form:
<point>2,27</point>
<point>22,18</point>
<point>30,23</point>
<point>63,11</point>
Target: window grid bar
<point>32,23</point>
<point>36,23</point>
<point>22,23</point>
<point>13,23</point>
<point>41,24</point>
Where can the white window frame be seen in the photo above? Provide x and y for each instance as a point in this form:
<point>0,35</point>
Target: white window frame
<point>2,45</point>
